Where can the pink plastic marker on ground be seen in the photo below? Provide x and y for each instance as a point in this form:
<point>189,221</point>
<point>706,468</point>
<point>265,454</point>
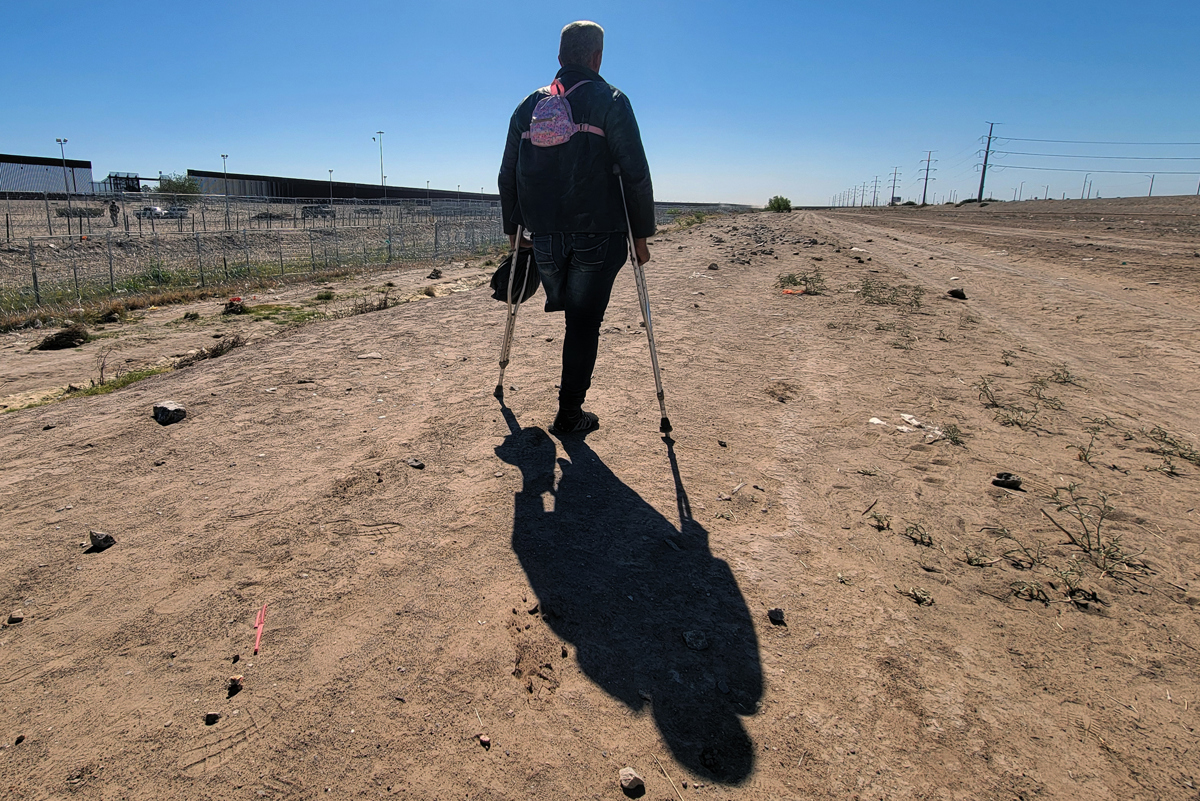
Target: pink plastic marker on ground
<point>259,622</point>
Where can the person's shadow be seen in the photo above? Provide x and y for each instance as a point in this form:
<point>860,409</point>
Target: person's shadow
<point>655,619</point>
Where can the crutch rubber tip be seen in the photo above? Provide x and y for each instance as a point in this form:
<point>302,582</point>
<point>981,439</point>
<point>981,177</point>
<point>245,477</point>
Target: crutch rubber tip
<point>665,426</point>
<point>499,391</point>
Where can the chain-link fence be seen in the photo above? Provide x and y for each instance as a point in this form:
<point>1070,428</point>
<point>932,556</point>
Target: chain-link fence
<point>146,213</point>
<point>66,250</point>
<point>54,270</point>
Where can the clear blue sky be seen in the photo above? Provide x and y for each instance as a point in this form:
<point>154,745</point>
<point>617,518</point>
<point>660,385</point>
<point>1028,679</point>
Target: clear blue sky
<point>737,101</point>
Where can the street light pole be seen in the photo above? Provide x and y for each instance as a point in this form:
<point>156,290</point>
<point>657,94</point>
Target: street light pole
<point>225,183</point>
<point>62,148</point>
<point>1021,192</point>
<point>331,188</point>
<point>382,177</point>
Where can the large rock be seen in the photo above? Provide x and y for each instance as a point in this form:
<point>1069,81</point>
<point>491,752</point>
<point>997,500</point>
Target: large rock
<point>167,412</point>
<point>72,336</point>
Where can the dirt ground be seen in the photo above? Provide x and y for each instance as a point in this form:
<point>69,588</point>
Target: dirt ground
<point>587,604</point>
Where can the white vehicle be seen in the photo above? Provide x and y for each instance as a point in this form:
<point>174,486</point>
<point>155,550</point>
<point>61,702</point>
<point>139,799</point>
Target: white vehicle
<point>150,212</point>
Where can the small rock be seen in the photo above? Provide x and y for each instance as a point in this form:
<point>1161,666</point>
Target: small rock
<point>371,355</point>
<point>722,443</point>
<point>235,685</point>
<point>211,718</point>
<point>630,780</point>
<point>696,640</point>
<point>434,274</point>
<point>957,293</point>
<point>49,426</point>
<point>484,740</point>
<point>776,617</point>
<point>414,462</point>
<point>100,540</point>
<point>713,266</point>
<point>1007,481</point>
<point>723,686</point>
<point>167,412</point>
<point>16,616</point>
<point>20,739</point>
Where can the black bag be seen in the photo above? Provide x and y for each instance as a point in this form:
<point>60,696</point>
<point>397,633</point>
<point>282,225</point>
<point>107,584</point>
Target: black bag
<point>525,264</point>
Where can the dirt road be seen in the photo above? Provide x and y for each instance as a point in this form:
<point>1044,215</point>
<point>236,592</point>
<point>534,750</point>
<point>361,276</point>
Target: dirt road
<point>588,604</point>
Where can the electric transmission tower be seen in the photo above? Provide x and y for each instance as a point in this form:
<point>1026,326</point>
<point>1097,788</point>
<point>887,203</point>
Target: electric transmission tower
<point>875,191</point>
<point>895,177</point>
<point>929,159</point>
<point>987,151</point>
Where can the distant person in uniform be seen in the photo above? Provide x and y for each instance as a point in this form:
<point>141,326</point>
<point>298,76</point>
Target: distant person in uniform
<point>113,211</point>
<point>562,182</point>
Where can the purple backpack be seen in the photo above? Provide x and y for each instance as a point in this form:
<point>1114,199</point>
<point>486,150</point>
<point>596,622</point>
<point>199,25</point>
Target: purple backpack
<point>552,122</point>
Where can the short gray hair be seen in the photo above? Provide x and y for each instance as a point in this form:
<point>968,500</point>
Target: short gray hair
<point>580,41</point>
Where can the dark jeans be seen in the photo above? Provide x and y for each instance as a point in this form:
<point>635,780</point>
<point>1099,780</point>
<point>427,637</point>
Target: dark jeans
<point>578,271</point>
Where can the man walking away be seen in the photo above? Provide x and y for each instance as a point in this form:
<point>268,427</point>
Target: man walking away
<point>571,147</point>
<point>112,212</point>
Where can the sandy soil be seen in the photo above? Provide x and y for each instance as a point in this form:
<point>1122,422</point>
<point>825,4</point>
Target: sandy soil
<point>593,603</point>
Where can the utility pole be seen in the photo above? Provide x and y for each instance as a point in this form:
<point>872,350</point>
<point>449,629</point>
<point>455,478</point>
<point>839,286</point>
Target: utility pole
<point>862,198</point>
<point>895,177</point>
<point>1083,191</point>
<point>62,148</point>
<point>225,183</point>
<point>1151,192</point>
<point>1046,196</point>
<point>987,151</point>
<point>928,163</point>
<point>382,177</point>
<point>875,192</point>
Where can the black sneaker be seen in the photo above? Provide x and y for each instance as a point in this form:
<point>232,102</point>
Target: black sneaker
<point>578,423</point>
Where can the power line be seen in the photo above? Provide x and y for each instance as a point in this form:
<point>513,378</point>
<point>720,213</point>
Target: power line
<point>1070,169</point>
<point>1086,142</point>
<point>1078,156</point>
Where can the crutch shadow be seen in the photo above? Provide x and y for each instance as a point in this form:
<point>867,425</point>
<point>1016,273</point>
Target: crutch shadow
<point>656,620</point>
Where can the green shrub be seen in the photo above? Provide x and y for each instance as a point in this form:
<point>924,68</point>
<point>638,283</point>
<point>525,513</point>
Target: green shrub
<point>779,203</point>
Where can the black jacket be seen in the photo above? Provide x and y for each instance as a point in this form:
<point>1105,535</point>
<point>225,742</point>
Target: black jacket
<point>573,187</point>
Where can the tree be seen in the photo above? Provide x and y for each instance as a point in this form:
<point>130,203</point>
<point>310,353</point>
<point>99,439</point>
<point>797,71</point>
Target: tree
<point>779,203</point>
<point>176,184</point>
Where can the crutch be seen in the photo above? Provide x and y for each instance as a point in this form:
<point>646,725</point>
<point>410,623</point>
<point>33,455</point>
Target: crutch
<point>511,322</point>
<point>639,277</point>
